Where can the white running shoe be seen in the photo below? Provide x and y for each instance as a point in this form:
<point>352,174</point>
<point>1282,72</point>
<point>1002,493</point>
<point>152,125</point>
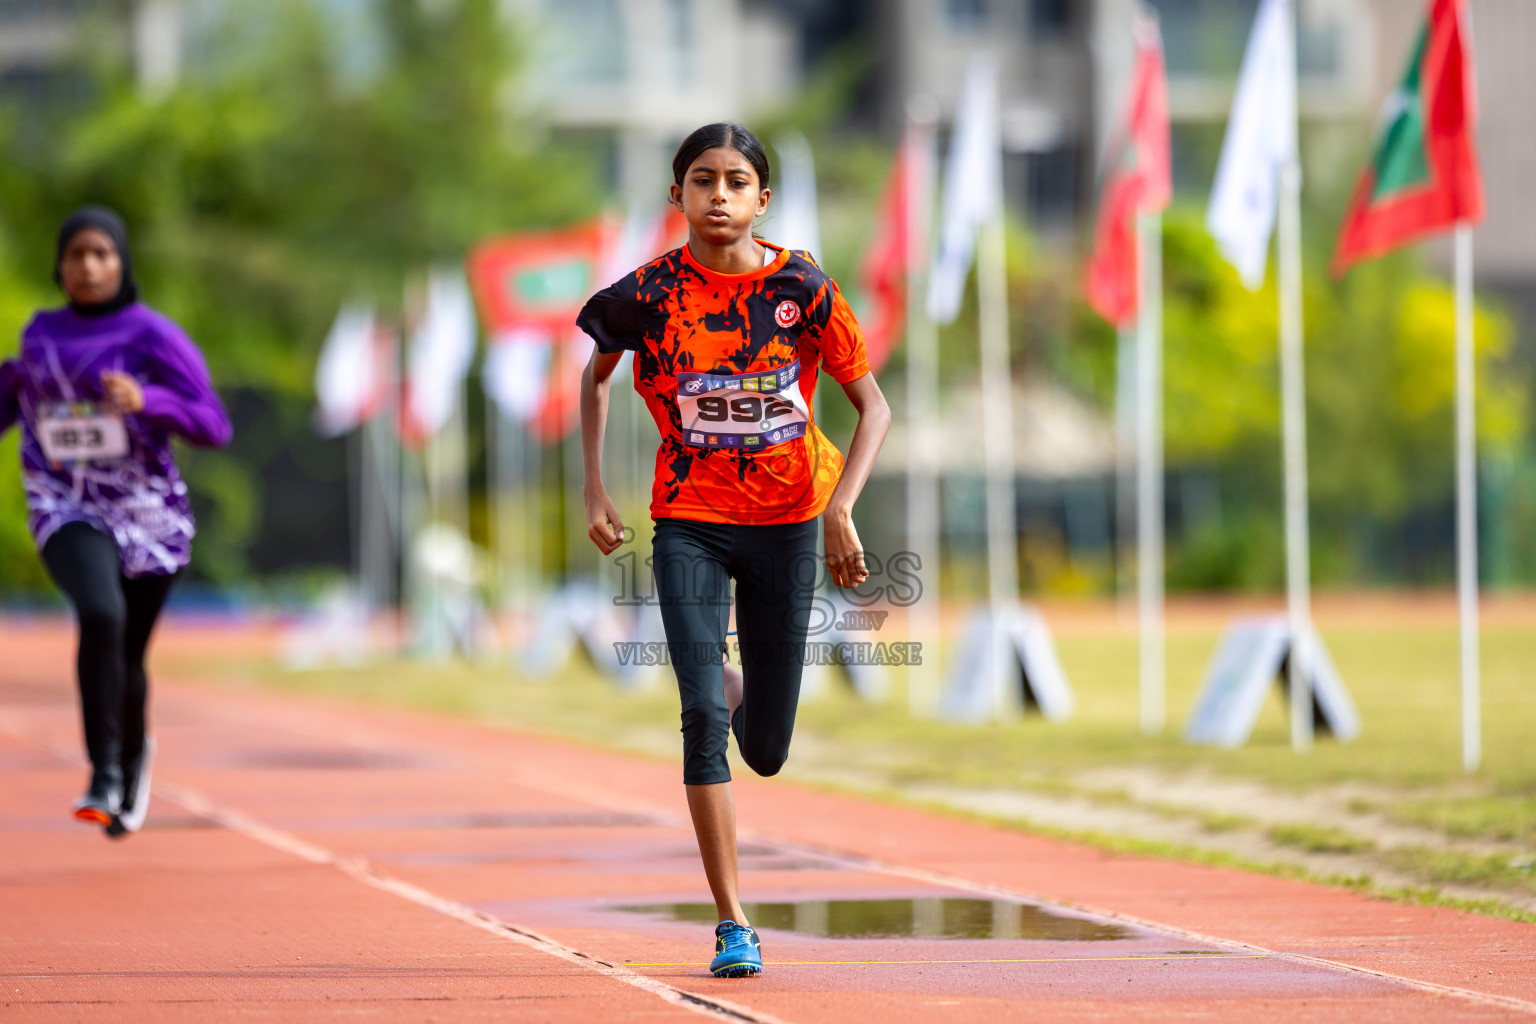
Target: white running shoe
<point>135,793</point>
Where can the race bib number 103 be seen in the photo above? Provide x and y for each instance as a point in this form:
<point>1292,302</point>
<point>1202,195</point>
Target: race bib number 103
<point>77,433</point>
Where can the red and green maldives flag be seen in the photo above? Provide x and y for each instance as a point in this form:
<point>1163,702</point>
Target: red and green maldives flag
<point>1424,176</point>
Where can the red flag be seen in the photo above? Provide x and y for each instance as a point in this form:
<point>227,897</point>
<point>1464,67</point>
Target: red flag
<point>1423,176</point>
<point>1141,181</point>
<point>883,271</point>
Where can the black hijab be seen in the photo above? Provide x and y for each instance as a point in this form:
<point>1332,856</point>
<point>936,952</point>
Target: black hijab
<point>111,225</point>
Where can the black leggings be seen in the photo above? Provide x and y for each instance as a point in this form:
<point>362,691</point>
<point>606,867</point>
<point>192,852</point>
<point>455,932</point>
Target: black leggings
<point>776,569</point>
<point>116,616</point>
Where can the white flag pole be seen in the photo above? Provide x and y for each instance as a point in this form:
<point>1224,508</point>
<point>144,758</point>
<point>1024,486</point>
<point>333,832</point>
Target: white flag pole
<point>1126,375</point>
<point>533,513</point>
<point>1294,413</point>
<point>923,507</point>
<point>1466,504</point>
<point>997,441</point>
<point>357,500</point>
<point>1149,469</point>
<point>1298,563</point>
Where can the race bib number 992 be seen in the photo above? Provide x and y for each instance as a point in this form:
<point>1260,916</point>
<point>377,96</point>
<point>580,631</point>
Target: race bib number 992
<point>750,411</point>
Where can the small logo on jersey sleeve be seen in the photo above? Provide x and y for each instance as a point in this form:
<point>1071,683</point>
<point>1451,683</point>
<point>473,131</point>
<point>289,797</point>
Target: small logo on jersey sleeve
<point>787,315</point>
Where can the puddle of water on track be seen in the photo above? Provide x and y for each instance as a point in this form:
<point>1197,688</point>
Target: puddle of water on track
<point>939,918</point>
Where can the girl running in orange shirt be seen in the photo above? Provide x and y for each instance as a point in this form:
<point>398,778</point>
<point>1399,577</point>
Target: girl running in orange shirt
<point>730,335</point>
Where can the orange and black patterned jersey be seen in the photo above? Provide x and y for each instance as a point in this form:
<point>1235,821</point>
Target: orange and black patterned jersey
<point>727,365</point>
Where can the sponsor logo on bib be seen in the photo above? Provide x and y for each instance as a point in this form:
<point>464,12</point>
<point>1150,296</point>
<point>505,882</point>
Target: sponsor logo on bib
<point>787,315</point>
<point>693,385</point>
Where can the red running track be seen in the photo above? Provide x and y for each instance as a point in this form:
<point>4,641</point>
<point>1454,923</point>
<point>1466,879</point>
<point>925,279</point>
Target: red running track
<point>305,861</point>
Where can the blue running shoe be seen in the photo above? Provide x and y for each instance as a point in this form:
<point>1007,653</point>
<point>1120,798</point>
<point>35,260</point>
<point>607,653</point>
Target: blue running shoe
<point>738,954</point>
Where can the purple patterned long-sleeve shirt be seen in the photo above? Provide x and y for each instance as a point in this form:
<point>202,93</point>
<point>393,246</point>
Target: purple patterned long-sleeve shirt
<point>138,498</point>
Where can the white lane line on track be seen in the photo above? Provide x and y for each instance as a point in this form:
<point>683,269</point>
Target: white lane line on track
<point>718,1007</point>
<point>360,870</point>
<point>859,862</point>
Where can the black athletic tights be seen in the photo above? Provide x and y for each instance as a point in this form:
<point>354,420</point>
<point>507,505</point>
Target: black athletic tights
<point>116,616</point>
<point>775,568</point>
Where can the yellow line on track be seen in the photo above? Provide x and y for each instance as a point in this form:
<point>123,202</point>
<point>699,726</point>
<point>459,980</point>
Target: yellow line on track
<point>1021,960</point>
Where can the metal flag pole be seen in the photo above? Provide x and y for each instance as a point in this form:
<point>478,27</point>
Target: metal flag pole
<point>1466,505</point>
<point>357,498</point>
<point>383,465</point>
<point>533,512</point>
<point>1149,468</point>
<point>1298,570</point>
<point>923,505</point>
<point>997,444</point>
<point>1293,389</point>
<point>1126,376</point>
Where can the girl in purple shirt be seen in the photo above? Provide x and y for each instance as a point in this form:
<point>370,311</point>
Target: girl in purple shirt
<point>99,388</point>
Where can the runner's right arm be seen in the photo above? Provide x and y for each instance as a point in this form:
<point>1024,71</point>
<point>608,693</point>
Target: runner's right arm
<point>604,525</point>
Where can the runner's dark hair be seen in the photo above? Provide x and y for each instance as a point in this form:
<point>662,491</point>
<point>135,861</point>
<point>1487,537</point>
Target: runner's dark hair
<point>712,136</point>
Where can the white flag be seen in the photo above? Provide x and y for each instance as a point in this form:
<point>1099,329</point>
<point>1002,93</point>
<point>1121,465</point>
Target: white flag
<point>441,351</point>
<point>1261,138</point>
<point>793,222</point>
<point>973,189</point>
<point>516,371</point>
<point>349,381</point>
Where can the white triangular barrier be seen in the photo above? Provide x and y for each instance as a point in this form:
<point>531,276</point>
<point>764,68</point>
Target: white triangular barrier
<point>834,651</point>
<point>1254,655</point>
<point>580,613</point>
<point>1007,665</point>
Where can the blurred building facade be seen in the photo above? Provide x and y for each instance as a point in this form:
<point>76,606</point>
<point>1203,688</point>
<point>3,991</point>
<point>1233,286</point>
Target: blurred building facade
<point>644,73</point>
<point>1043,51</point>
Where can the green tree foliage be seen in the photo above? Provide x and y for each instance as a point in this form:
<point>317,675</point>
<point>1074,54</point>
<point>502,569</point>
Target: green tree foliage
<point>275,181</point>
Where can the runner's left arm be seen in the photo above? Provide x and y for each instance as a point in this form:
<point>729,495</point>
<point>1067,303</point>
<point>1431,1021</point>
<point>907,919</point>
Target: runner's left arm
<point>843,354</point>
<point>179,395</point>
